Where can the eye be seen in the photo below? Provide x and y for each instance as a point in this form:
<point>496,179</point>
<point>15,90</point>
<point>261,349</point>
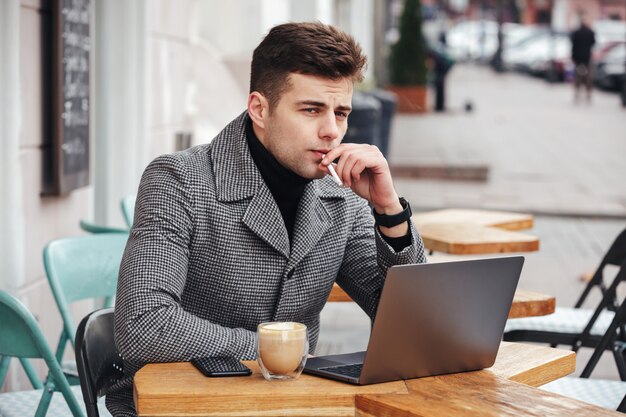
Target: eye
<point>341,115</point>
<point>311,110</point>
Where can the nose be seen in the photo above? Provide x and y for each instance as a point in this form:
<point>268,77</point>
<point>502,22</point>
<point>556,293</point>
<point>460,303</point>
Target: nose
<point>328,129</point>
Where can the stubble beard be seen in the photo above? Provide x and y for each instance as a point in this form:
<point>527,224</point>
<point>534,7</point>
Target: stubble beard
<point>294,163</point>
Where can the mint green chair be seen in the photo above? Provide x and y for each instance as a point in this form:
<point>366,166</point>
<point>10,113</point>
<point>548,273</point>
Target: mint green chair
<point>22,338</point>
<point>80,268</point>
<point>91,227</point>
<point>128,209</point>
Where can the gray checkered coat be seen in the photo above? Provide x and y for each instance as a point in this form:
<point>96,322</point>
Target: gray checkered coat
<point>209,258</point>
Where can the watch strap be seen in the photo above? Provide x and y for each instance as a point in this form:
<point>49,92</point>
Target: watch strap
<point>395,219</point>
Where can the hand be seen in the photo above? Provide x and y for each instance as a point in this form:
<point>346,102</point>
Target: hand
<point>365,170</point>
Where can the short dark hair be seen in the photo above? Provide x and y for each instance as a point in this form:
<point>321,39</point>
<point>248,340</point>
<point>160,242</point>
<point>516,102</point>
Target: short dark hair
<point>303,48</point>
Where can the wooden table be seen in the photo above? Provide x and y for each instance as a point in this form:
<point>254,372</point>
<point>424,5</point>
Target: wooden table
<point>464,232</point>
<point>467,239</point>
<point>525,303</point>
<point>530,304</point>
<point>500,219</point>
<point>504,390</point>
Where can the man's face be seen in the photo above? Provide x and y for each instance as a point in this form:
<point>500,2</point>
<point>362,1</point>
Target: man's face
<point>310,119</point>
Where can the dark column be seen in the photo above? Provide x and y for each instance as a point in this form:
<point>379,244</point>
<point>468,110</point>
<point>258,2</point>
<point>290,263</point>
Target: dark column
<point>496,61</point>
<point>552,75</point>
<point>624,84</point>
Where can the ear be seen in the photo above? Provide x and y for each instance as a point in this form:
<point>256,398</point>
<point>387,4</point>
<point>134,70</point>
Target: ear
<point>258,109</point>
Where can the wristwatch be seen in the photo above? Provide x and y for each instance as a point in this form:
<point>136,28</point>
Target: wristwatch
<point>395,219</point>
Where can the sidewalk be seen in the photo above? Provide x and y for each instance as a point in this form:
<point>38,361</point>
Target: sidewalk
<point>544,153</point>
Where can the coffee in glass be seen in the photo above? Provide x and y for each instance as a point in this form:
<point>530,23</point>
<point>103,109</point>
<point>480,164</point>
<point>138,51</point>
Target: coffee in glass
<point>282,349</point>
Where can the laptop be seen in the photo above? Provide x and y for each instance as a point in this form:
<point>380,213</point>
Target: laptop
<point>432,319</point>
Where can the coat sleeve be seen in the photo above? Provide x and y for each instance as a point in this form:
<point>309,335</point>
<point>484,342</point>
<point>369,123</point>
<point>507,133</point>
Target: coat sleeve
<point>150,324</point>
<point>368,257</point>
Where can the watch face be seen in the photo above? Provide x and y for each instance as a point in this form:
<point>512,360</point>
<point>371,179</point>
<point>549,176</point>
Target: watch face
<point>406,205</point>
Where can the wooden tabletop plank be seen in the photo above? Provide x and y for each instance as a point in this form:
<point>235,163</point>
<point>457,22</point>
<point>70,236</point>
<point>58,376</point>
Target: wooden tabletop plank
<point>531,304</point>
<point>474,394</point>
<point>525,303</point>
<point>502,390</point>
<point>528,364</point>
<point>500,219</point>
<point>466,239</point>
<point>180,389</point>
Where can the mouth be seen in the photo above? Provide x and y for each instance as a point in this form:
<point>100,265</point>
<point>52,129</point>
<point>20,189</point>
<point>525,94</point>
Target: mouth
<point>319,153</point>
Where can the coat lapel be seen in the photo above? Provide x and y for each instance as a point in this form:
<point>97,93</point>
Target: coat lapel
<point>237,178</point>
<point>312,220</point>
<point>264,219</point>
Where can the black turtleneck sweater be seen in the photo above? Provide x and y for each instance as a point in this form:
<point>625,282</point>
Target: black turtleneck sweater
<point>287,187</point>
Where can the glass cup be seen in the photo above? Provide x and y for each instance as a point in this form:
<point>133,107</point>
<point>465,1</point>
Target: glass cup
<point>282,349</point>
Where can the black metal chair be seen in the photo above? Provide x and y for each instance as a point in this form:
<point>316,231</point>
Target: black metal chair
<point>616,255</point>
<point>605,393</point>
<point>98,362</point>
<point>577,326</point>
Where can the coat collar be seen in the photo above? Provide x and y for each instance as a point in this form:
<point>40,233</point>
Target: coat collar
<point>237,178</point>
<point>236,174</point>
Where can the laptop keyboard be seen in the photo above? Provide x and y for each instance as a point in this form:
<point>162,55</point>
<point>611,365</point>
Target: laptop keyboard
<point>352,370</point>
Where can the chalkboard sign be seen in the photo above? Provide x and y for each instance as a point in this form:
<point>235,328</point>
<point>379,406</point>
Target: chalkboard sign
<point>72,45</point>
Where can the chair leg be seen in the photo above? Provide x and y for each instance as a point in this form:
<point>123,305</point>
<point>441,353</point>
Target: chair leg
<point>44,402</point>
<point>622,405</point>
<point>71,400</point>
<point>30,372</point>
<point>618,352</point>
<point>28,368</point>
<point>57,379</point>
<point>595,357</point>
<point>4,367</point>
<point>61,346</point>
<point>607,340</point>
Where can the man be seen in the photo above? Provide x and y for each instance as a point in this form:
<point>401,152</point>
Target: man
<point>583,40</point>
<point>251,228</point>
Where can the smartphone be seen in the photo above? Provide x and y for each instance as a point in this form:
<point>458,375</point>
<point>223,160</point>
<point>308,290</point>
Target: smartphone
<point>221,366</point>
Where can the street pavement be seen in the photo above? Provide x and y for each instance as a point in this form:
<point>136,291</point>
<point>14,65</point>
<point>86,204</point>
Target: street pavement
<point>546,155</point>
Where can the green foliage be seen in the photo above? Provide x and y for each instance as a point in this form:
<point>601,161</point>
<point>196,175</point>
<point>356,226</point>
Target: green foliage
<point>408,55</point>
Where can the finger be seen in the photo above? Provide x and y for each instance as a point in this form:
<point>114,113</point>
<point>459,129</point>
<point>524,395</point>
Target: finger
<point>362,150</point>
<point>338,152</point>
<point>357,169</point>
<point>363,165</point>
<point>347,156</point>
<point>348,161</point>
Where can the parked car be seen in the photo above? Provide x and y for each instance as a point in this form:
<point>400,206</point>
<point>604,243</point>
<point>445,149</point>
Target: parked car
<point>608,68</point>
<point>478,39</point>
<point>608,31</point>
<point>536,55</point>
<point>472,39</point>
<point>517,35</point>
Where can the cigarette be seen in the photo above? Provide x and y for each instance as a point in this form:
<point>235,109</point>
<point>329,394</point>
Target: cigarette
<point>333,173</point>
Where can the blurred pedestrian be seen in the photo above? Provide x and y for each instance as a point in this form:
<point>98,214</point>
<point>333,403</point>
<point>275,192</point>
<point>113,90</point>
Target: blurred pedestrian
<point>583,40</point>
<point>440,65</point>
